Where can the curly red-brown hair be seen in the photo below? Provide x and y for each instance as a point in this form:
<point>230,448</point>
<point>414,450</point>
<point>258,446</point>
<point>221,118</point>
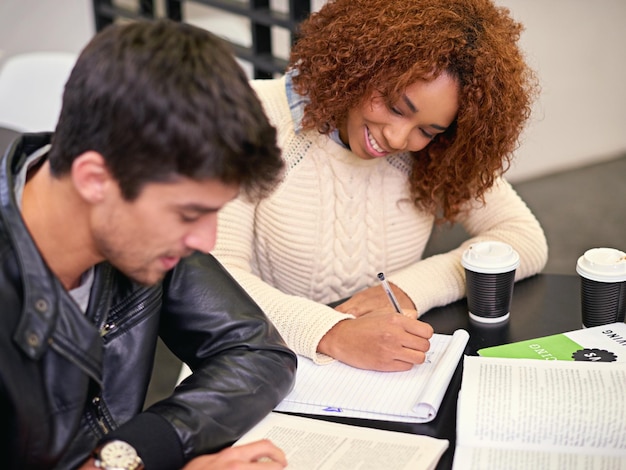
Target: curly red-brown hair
<point>351,48</point>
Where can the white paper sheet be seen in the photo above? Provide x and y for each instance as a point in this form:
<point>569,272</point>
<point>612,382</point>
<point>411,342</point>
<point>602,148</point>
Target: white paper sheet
<point>410,396</point>
<point>312,444</point>
<point>526,413</point>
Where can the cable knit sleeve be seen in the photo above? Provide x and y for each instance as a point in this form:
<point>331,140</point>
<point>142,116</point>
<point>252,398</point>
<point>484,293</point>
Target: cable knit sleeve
<point>301,322</point>
<point>440,279</point>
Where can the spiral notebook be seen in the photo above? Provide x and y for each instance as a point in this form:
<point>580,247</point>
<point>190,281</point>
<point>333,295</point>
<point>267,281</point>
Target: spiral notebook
<point>412,396</point>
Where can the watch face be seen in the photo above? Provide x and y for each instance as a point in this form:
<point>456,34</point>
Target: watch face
<point>118,454</point>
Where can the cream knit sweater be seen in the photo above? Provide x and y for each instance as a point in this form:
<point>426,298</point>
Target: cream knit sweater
<point>336,220</point>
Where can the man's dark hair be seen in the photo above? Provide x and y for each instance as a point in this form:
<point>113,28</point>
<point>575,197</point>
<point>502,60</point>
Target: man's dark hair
<point>159,99</point>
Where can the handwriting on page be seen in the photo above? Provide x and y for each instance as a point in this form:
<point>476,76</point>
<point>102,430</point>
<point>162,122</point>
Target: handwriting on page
<point>340,387</point>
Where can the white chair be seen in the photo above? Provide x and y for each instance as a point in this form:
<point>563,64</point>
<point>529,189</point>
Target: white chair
<point>31,89</point>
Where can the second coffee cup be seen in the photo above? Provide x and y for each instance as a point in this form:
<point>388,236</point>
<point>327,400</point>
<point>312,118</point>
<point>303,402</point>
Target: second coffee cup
<point>602,286</point>
<point>490,275</point>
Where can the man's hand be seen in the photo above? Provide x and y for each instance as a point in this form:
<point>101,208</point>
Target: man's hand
<point>374,299</point>
<point>259,455</point>
<point>381,340</point>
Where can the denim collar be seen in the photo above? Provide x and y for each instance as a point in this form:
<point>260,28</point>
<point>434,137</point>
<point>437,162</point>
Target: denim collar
<point>297,103</point>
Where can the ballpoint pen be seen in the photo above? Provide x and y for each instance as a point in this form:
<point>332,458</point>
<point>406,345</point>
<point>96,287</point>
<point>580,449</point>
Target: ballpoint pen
<point>387,287</point>
<point>396,306</point>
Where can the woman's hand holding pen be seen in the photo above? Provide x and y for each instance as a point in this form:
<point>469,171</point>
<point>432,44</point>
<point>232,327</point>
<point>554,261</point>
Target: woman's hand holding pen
<point>379,340</point>
<point>374,299</point>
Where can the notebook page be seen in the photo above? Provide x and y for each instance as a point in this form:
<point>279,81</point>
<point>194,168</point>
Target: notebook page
<point>337,387</point>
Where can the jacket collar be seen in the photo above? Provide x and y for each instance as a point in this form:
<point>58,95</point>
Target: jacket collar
<point>40,292</point>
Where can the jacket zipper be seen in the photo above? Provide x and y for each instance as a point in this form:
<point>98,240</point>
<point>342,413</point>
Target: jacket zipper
<point>106,328</point>
<point>100,418</point>
<point>130,318</point>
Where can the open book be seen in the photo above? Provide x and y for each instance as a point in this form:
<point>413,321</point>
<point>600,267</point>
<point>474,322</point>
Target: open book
<point>606,343</point>
<point>312,444</point>
<point>524,413</point>
<point>411,396</point>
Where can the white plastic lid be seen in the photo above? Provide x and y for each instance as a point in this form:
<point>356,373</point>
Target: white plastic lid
<point>602,265</point>
<point>490,257</point>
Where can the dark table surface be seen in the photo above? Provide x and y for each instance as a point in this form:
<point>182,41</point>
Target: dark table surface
<point>542,305</point>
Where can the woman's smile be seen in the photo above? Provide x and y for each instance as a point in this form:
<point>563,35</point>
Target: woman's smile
<point>373,146</point>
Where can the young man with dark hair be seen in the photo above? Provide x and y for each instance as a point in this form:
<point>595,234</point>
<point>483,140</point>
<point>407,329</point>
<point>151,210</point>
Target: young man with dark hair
<point>105,228</point>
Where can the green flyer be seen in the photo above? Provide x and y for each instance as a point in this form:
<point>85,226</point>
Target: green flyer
<point>606,343</point>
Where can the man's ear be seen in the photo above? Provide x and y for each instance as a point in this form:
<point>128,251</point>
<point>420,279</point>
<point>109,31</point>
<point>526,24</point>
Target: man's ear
<point>91,177</point>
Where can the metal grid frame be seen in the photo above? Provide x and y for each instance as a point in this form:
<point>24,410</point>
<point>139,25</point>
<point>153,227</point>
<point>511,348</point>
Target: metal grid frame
<point>259,12</point>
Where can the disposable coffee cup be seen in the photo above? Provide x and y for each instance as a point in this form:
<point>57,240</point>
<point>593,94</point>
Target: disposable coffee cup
<point>602,286</point>
<point>489,275</point>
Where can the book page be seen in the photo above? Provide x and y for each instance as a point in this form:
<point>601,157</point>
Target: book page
<point>555,406</point>
<point>484,458</point>
<point>321,445</point>
<point>412,396</point>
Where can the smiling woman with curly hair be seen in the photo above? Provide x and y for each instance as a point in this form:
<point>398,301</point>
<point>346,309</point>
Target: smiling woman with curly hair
<point>392,117</point>
<point>382,46</point>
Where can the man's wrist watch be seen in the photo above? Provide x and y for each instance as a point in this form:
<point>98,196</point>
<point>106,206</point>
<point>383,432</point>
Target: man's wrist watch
<point>117,455</point>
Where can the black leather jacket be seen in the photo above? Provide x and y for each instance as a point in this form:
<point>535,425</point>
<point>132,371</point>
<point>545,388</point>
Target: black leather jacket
<point>67,378</point>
